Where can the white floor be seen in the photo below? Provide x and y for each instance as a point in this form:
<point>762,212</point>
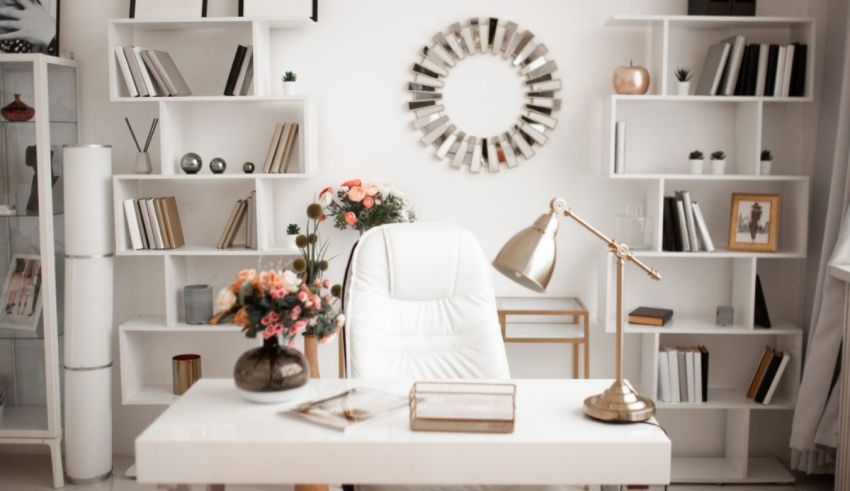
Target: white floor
<point>32,472</point>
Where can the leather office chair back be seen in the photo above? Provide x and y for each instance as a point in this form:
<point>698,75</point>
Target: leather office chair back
<point>421,305</point>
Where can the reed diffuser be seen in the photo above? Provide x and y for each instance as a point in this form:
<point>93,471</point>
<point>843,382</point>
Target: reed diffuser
<point>143,158</point>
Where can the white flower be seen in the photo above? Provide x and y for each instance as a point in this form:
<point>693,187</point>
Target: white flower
<point>343,189</point>
<point>405,216</point>
<point>325,199</point>
<point>291,281</point>
<point>225,300</point>
<point>340,320</point>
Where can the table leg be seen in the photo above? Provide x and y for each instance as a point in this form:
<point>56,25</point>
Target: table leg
<point>502,322</point>
<point>586,347</point>
<point>575,360</point>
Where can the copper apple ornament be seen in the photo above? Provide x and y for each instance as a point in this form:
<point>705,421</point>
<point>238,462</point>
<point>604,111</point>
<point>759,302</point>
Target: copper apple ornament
<point>631,79</point>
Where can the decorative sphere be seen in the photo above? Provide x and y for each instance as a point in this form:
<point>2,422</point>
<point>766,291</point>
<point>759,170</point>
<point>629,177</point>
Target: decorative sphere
<point>191,163</point>
<point>248,167</point>
<point>632,79</point>
<point>217,165</point>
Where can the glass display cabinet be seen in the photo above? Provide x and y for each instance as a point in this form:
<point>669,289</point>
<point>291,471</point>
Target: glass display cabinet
<point>38,96</point>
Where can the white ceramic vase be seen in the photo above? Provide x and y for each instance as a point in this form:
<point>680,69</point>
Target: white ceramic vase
<point>697,165</point>
<point>766,167</point>
<point>290,242</point>
<point>718,167</point>
<point>683,88</point>
<point>290,88</point>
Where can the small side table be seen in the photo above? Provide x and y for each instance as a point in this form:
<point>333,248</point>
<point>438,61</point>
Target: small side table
<point>557,320</point>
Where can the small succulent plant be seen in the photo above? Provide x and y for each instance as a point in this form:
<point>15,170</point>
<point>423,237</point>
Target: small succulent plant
<point>683,74</point>
<point>766,155</point>
<point>290,77</point>
<point>718,155</point>
<point>696,155</point>
<point>293,229</point>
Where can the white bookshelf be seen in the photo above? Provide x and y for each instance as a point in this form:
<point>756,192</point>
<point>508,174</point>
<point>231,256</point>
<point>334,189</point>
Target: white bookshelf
<point>235,128</point>
<point>661,129</point>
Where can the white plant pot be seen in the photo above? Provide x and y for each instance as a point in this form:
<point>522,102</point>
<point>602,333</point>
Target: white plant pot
<point>683,88</point>
<point>290,242</point>
<point>290,88</point>
<point>718,167</point>
<point>766,167</point>
<point>697,165</point>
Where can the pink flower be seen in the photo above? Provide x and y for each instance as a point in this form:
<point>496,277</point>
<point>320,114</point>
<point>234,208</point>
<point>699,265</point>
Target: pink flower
<point>270,318</point>
<point>278,293</point>
<point>356,194</point>
<point>299,326</point>
<point>327,283</point>
<point>326,190</point>
<point>302,296</point>
<point>351,183</point>
<point>368,202</point>
<point>370,189</point>
<point>317,300</point>
<point>295,312</point>
<point>350,218</point>
<point>328,299</point>
<point>272,330</point>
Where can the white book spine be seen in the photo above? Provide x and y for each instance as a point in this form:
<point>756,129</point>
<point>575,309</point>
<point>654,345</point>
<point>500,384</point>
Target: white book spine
<point>673,358</point>
<point>733,68</point>
<point>243,70</point>
<point>691,380</point>
<point>787,69</point>
<point>689,220</point>
<point>620,147</point>
<point>143,209</point>
<point>155,227</point>
<point>146,76</point>
<point>125,71</point>
<point>764,50</point>
<point>133,229</point>
<point>702,228</point>
<point>780,71</point>
<point>683,226</point>
<point>664,376</point>
<point>777,378</point>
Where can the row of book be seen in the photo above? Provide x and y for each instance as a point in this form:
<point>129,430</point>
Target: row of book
<point>733,67</point>
<point>281,148</point>
<point>768,375</point>
<point>241,75</point>
<point>150,73</point>
<point>153,223</point>
<point>244,211</point>
<point>685,229</point>
<point>683,374</point>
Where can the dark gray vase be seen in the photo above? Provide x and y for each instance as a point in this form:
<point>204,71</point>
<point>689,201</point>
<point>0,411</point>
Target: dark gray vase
<point>271,372</point>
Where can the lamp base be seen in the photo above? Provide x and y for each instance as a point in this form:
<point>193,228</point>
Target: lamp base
<point>619,404</point>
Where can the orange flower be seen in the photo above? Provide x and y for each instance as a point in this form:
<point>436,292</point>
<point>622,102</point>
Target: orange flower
<point>241,318</point>
<point>350,218</point>
<point>244,275</point>
<point>368,202</point>
<point>351,183</point>
<point>356,194</point>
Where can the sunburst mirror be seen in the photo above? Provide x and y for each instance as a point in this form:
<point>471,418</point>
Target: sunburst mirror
<point>522,52</point>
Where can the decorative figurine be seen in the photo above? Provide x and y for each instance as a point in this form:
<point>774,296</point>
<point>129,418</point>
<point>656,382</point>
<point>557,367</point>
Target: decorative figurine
<point>217,165</point>
<point>32,161</point>
<point>191,163</point>
<point>17,110</point>
<point>248,167</point>
<point>631,79</point>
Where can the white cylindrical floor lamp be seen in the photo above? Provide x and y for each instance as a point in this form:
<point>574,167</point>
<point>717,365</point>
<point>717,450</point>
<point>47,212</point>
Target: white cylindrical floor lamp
<point>88,312</point>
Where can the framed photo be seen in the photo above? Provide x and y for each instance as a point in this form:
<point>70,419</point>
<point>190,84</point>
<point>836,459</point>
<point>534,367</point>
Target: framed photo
<point>31,26</point>
<point>754,222</point>
<point>21,306</point>
<point>171,9</point>
<point>279,8</point>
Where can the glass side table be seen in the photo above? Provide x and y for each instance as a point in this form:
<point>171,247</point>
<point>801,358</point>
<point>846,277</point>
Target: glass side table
<point>557,320</point>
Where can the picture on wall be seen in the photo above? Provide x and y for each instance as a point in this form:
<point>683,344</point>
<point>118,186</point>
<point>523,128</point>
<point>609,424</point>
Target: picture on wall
<point>29,26</point>
<point>21,307</point>
<point>167,9</point>
<point>754,222</point>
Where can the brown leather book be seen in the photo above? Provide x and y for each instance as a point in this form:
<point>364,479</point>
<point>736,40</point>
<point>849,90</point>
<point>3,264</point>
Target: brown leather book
<point>222,239</point>
<point>162,218</point>
<point>290,148</point>
<point>766,357</point>
<point>650,316</point>
<point>175,228</point>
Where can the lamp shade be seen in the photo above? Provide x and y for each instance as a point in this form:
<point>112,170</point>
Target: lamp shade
<point>528,258</point>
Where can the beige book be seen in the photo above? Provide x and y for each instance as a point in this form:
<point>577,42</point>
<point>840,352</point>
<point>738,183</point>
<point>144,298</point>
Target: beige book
<point>222,239</point>
<point>237,223</point>
<point>174,224</point>
<point>267,166</point>
<point>290,147</point>
<point>281,148</point>
<point>162,218</point>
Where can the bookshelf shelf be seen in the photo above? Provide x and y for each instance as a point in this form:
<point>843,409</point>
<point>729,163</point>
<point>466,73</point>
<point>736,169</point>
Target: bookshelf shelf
<point>719,254</point>
<point>710,177</point>
<point>721,471</point>
<point>209,251</point>
<point>727,399</point>
<point>714,99</point>
<point>209,177</point>
<point>162,24</point>
<point>702,327</point>
<point>295,99</point>
<point>707,21</point>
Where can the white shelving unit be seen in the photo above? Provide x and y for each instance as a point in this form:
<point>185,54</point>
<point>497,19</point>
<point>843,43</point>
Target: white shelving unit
<point>661,129</point>
<point>235,128</point>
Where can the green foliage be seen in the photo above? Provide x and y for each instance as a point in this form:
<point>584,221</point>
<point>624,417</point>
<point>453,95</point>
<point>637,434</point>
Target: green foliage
<point>766,155</point>
<point>718,155</point>
<point>293,229</point>
<point>696,155</point>
<point>683,74</point>
<point>290,77</point>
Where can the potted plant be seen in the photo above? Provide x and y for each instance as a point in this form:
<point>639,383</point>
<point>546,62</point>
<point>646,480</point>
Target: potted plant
<point>290,86</point>
<point>683,81</point>
<point>292,231</point>
<point>697,161</point>
<point>361,206</point>
<point>766,166</point>
<point>718,162</point>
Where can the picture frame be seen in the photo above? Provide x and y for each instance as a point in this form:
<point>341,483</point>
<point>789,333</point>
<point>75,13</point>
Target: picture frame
<point>47,23</point>
<point>754,222</point>
<point>279,8</point>
<point>22,294</point>
<point>171,9</point>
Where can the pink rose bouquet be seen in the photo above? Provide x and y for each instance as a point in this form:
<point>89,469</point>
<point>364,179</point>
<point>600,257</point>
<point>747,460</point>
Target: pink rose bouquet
<point>361,206</point>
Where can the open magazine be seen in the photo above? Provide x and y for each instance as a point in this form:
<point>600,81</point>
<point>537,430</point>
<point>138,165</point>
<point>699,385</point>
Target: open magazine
<point>347,408</point>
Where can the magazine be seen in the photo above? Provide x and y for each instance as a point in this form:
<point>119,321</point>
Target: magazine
<point>350,407</point>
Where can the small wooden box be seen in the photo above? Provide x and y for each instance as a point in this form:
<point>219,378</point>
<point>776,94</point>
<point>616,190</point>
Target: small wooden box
<point>463,407</point>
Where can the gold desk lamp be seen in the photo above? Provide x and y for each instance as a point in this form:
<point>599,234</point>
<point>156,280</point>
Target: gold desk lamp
<point>528,258</point>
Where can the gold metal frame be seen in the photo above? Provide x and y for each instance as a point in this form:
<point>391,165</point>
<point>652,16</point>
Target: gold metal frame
<point>772,234</point>
<point>461,425</point>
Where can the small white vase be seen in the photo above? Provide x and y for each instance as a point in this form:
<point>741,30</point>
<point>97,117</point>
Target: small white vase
<point>718,167</point>
<point>766,167</point>
<point>290,242</point>
<point>683,88</point>
<point>290,88</point>
<point>697,165</point>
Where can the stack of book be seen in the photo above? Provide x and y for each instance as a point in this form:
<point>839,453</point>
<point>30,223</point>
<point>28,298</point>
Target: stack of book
<point>650,316</point>
<point>281,148</point>
<point>243,211</point>
<point>733,67</point>
<point>153,223</point>
<point>683,374</point>
<point>767,375</point>
<point>241,75</point>
<point>685,229</point>
<point>150,73</point>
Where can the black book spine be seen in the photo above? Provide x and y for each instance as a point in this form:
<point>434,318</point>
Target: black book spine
<point>768,376</point>
<point>761,317</point>
<point>674,221</point>
<point>234,70</point>
<point>772,59</point>
<point>798,71</point>
<point>753,69</point>
<point>667,243</point>
<point>704,361</point>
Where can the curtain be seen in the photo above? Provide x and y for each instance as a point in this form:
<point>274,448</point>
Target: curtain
<point>814,433</point>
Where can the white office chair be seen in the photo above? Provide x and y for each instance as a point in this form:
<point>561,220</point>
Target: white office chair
<point>420,305</point>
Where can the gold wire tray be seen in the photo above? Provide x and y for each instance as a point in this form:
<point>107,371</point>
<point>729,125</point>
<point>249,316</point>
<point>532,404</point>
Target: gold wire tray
<point>463,407</point>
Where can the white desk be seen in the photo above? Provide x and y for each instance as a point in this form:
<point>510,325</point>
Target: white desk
<point>212,435</point>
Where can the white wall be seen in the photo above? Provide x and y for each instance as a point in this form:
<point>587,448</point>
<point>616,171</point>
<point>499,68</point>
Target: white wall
<point>355,63</point>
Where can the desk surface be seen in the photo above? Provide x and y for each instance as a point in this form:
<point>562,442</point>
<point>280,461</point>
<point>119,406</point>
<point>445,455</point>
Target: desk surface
<point>212,435</point>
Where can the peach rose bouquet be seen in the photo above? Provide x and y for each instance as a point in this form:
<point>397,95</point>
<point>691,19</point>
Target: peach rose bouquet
<point>360,206</point>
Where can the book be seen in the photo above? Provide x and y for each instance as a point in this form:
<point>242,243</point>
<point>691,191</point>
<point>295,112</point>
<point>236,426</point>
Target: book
<point>222,238</point>
<point>146,222</point>
<point>761,69</point>
<point>158,81</point>
<point>770,76</point>
<point>743,72</point>
<point>243,70</point>
<point>788,66</point>
<point>124,67</point>
<point>673,357</point>
<point>674,222</point>
<point>175,227</point>
<point>245,89</point>
<point>667,236</point>
<point>780,71</point>
<point>619,147</point>
<point>687,203</point>
<point>251,221</point>
<point>289,151</point>
<point>798,71</point>
<point>704,371</point>
<point>154,221</point>
<point>136,71</point>
<point>760,318</point>
<point>664,376</point>
<point>353,406</point>
<point>761,368</point>
<point>702,228</point>
<point>281,148</point>
<point>683,374</point>
<point>278,131</point>
<point>712,69</point>
<point>234,69</point>
<point>682,225</point>
<point>733,65</point>
<point>240,218</point>
<point>769,376</point>
<point>697,353</point>
<point>690,369</point>
<point>133,228</point>
<point>650,316</point>
<point>169,73</point>
<point>163,225</point>
<point>752,70</point>
<point>152,89</point>
<point>786,358</point>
